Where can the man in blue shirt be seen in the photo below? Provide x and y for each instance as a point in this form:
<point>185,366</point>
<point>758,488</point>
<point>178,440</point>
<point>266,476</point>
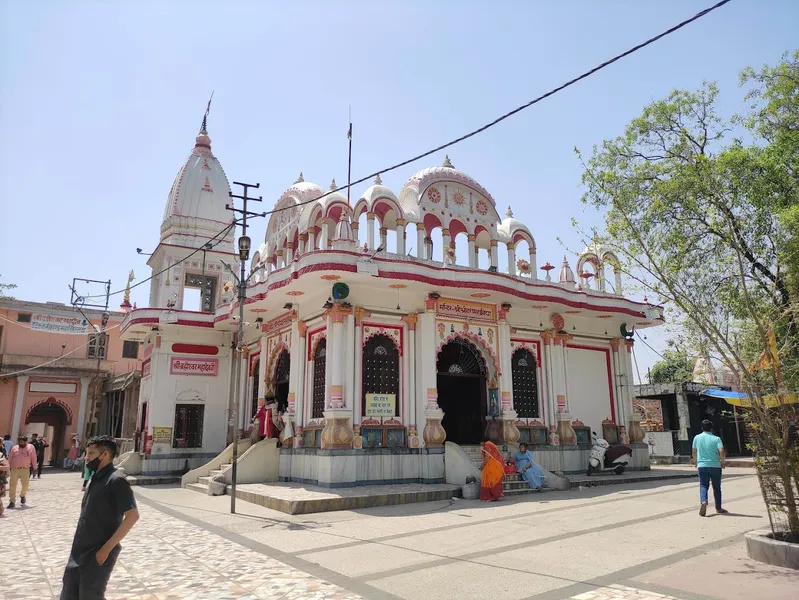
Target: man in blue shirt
<point>709,457</point>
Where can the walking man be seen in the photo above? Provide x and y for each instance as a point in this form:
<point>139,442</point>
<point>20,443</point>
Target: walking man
<point>39,444</point>
<point>21,460</point>
<point>709,456</point>
<point>108,512</point>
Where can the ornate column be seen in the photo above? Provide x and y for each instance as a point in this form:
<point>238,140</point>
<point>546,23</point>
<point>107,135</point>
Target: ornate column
<point>510,432</point>
<point>303,237</point>
<point>533,264</point>
<point>618,387</point>
<point>370,231</point>
<point>421,247</point>
<point>355,227</point>
<point>311,240</point>
<point>428,248</point>
<point>401,236</point>
<point>289,252</point>
<point>359,314</point>
<point>511,258</point>
<point>564,429</point>
<point>546,370</point>
<point>627,413</point>
<point>433,434</point>
<point>325,233</point>
<point>279,260</point>
<point>410,377</point>
<point>445,243</point>
<point>472,257</point>
<point>297,408</point>
<point>384,238</point>
<point>494,257</point>
<point>338,430</point>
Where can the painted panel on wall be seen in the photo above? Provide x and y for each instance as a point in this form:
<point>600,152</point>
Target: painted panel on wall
<point>589,392</point>
<point>44,386</point>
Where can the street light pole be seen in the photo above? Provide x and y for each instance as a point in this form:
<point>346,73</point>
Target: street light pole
<point>244,254</point>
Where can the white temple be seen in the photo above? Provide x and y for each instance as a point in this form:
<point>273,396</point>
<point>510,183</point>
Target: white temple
<point>374,355</point>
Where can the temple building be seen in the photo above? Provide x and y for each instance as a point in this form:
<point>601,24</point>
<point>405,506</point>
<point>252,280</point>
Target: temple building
<point>373,352</point>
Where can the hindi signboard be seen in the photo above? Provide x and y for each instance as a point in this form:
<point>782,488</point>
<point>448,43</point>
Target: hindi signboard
<point>162,435</point>
<point>381,405</point>
<point>460,309</point>
<point>60,324</point>
<point>194,366</point>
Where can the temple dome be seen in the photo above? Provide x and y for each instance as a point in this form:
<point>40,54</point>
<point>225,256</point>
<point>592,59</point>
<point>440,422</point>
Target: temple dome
<point>512,230</point>
<point>196,203</point>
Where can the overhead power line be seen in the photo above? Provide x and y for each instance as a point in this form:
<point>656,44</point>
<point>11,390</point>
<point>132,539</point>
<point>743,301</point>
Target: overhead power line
<point>477,131</point>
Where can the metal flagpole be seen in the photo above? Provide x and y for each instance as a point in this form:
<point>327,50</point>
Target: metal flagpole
<point>349,160</point>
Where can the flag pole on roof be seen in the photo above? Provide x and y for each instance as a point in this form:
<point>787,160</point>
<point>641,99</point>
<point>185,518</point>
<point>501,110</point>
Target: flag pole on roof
<point>349,158</point>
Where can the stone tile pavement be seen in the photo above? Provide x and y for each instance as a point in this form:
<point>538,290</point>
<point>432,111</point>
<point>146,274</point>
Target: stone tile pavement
<point>162,558</point>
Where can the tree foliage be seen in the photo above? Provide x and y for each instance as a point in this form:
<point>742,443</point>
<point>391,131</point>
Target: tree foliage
<point>674,366</point>
<point>704,213</point>
<point>4,289</point>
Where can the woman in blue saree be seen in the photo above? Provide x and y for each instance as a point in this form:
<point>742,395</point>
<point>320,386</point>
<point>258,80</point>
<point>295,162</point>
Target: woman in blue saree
<point>528,469</point>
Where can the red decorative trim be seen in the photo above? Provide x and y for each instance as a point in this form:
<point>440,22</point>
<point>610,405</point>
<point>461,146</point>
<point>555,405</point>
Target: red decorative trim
<point>392,422</point>
<point>157,321</point>
<point>195,349</point>
<point>368,422</point>
<point>477,341</point>
<point>609,371</point>
<point>401,330</point>
<point>148,351</point>
<point>277,351</point>
<point>49,400</point>
<point>255,359</point>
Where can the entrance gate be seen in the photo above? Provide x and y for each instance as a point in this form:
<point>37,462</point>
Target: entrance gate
<point>462,391</point>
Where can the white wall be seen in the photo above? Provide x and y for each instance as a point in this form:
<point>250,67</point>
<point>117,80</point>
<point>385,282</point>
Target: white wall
<point>589,396</point>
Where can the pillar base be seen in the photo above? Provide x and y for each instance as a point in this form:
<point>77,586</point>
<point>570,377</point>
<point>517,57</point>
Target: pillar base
<point>434,434</point>
<point>509,430</point>
<point>635,432</point>
<point>565,431</point>
<point>337,434</point>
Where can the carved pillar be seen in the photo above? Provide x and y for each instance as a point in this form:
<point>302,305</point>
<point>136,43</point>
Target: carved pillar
<point>510,433</point>
<point>511,258</point>
<point>370,231</point>
<point>384,238</point>
<point>360,314</point>
<point>355,231</point>
<point>311,240</point>
<point>433,434</point>
<point>289,252</point>
<point>472,256</point>
<point>299,405</point>
<point>401,236</point>
<point>338,430</point>
<point>303,244</point>
<point>445,245</point>
<point>410,374</point>
<point>549,395</point>
<point>565,431</point>
<point>324,238</point>
<point>279,260</point>
<point>420,244</point>
<point>494,256</point>
<point>533,264</point>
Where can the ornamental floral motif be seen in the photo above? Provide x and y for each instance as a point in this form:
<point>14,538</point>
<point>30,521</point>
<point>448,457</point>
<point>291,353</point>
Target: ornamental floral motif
<point>558,322</point>
<point>434,195</point>
<point>458,198</point>
<point>482,207</point>
<point>441,331</point>
<point>523,266</point>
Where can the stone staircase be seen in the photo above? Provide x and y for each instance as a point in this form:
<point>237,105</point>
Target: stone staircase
<point>513,485</point>
<point>204,482</point>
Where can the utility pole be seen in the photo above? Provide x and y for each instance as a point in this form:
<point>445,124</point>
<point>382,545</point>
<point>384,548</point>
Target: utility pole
<point>242,280</point>
<point>79,303</point>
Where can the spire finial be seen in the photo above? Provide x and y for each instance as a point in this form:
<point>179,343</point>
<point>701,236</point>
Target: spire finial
<point>333,185</point>
<point>204,127</point>
<point>378,181</point>
<point>300,179</point>
<point>447,162</point>
<point>509,214</point>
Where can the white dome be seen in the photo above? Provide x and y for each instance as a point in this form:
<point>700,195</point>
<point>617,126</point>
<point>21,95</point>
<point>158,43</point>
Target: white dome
<point>196,203</point>
<point>511,228</point>
<point>301,198</point>
<point>420,181</point>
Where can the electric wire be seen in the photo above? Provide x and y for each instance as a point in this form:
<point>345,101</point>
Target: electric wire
<point>473,133</point>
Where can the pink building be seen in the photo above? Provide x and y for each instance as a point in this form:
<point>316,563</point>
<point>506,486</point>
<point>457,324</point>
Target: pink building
<point>83,382</point>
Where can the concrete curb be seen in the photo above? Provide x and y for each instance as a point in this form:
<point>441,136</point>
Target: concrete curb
<point>761,547</point>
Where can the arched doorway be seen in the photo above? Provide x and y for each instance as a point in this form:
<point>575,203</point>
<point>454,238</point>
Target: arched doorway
<point>256,387</point>
<point>462,391</point>
<point>380,369</point>
<point>319,367</point>
<point>55,417</point>
<point>282,369</point>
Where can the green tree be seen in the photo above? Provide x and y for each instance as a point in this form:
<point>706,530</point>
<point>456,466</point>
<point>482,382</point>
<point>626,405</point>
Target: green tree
<point>674,366</point>
<point>4,288</point>
<point>707,222</point>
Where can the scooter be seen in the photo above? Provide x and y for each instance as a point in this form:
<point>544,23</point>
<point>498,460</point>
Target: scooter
<point>605,457</point>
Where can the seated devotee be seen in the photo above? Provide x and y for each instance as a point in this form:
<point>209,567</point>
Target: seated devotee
<point>530,471</point>
<point>493,472</point>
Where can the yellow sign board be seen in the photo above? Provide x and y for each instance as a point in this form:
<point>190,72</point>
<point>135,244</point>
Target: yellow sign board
<point>162,435</point>
<point>381,405</point>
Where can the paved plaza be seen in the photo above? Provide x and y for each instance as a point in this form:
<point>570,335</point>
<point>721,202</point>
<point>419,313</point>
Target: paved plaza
<point>634,542</point>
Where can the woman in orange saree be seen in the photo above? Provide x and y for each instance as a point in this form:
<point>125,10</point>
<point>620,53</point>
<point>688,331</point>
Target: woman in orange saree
<point>493,472</point>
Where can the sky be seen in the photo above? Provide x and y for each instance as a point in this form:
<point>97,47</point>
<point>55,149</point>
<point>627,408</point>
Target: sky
<point>100,103</point>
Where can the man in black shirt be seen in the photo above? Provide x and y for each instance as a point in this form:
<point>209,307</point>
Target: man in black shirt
<point>40,444</point>
<point>108,513</point>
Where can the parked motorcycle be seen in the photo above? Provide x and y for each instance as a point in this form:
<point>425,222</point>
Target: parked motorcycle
<point>605,457</point>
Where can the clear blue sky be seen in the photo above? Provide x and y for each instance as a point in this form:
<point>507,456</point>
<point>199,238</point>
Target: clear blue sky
<point>100,103</point>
